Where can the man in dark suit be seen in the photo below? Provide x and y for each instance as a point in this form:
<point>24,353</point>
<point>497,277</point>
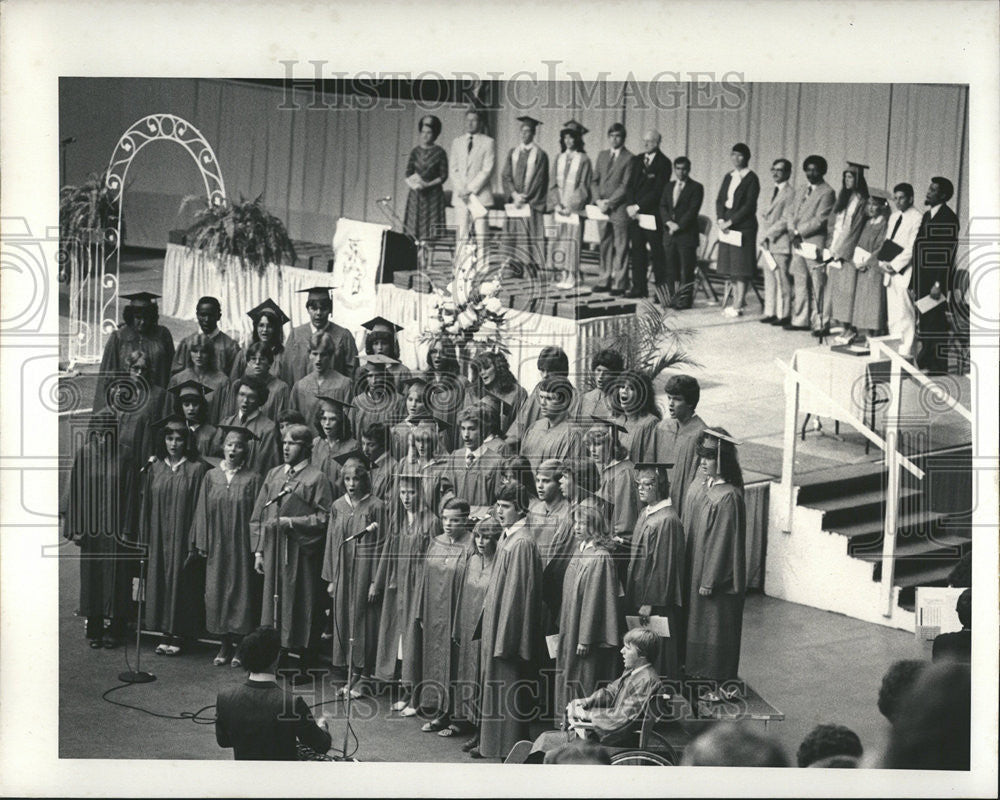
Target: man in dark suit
<point>260,721</point>
<point>608,185</point>
<point>650,173</point>
<point>679,206</point>
<point>933,273</point>
<point>957,646</point>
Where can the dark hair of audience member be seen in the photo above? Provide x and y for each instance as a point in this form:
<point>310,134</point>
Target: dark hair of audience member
<point>259,650</point>
<point>733,745</point>
<point>895,683</point>
<point>825,741</point>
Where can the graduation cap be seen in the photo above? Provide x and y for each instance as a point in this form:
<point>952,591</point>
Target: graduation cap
<point>190,388</point>
<point>343,458</point>
<point>534,123</point>
<point>853,166</point>
<point>341,405</point>
<point>140,298</point>
<point>382,360</point>
<point>613,426</point>
<point>316,292</point>
<point>708,450</point>
<point>381,323</point>
<point>574,127</point>
<point>268,305</point>
<point>176,419</point>
<point>650,466</point>
<point>227,429</point>
<point>430,419</point>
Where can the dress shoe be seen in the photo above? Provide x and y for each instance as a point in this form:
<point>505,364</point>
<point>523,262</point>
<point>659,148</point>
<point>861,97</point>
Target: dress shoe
<point>782,322</point>
<point>790,327</point>
<point>819,333</point>
<point>632,294</point>
<point>469,744</point>
<point>474,752</point>
<point>770,320</point>
<point>616,292</point>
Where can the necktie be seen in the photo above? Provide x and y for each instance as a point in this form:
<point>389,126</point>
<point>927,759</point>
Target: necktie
<point>649,159</point>
<point>774,194</point>
<point>809,191</point>
<point>895,228</point>
<point>521,169</point>
<point>470,459</point>
<point>612,157</point>
<point>468,149</point>
<point>678,188</point>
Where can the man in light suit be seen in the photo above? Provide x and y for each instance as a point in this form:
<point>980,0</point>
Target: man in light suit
<point>679,206</point>
<point>808,218</point>
<point>525,178</point>
<point>608,186</point>
<point>774,238</point>
<point>900,311</point>
<point>472,158</point>
<point>650,174</point>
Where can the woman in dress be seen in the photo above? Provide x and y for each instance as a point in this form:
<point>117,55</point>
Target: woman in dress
<point>736,212</point>
<point>268,328</point>
<point>868,316</point>
<point>220,533</point>
<point>332,423</point>
<point>201,367</point>
<point>569,193</point>
<point>170,493</point>
<point>635,405</point>
<point>589,632</point>
<point>849,217</point>
<point>427,167</point>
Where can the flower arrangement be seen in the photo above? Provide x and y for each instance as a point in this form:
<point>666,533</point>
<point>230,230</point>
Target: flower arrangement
<point>472,318</point>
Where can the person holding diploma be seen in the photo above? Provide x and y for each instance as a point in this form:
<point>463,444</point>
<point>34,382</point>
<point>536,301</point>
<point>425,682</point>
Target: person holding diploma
<point>642,197</point>
<point>526,184</point>
<point>868,312</point>
<point>736,215</point>
<point>895,260</point>
<point>472,160</point>
<point>849,218</point>
<point>774,238</point>
<point>679,206</point>
<point>808,218</point>
<point>569,193</point>
<point>426,172</point>
<point>608,186</point>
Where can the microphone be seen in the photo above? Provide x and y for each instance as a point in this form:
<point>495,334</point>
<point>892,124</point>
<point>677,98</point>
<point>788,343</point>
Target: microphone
<point>364,532</point>
<point>148,464</point>
<point>287,490</point>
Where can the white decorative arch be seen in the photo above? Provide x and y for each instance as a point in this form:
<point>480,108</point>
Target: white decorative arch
<point>94,281</point>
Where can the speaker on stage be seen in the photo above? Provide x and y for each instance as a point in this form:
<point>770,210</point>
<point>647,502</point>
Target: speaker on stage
<point>399,252</point>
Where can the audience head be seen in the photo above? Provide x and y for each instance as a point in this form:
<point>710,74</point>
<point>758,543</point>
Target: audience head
<point>429,128</point>
<point>296,444</point>
<point>581,751</point>
<point>940,191</point>
<point>730,744</point>
<point>902,195</point>
<point>208,313</point>
<point>740,155</point>
<point>259,650</point>
<point>963,607</point>
<point>781,170</point>
<point>682,168</point>
<point>932,729</point>
<point>555,394</point>
<point>815,168</point>
<point>826,741</point>
<point>553,360</point>
<point>512,503</point>
<point>896,682</point>
<point>640,646</point>
<point>683,393</point>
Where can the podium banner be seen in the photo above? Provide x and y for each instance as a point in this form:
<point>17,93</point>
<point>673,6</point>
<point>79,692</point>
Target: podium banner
<point>357,249</point>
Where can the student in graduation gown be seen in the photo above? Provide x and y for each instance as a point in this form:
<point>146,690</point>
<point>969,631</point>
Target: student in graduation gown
<point>288,538</point>
<point>446,388</point>
<point>492,411</point>
<point>140,332</point>
<point>635,408</point>
<point>191,398</point>
<point>525,180</point>
<point>169,496</point>
<point>259,367</point>
<point>412,526</point>
<point>589,632</point>
<point>551,435</point>
<point>377,399</point>
<point>516,470</point>
<point>549,509</point>
<point>268,322</point>
<point>381,465</point>
<point>333,424</point>
<point>478,568</point>
<point>606,366</point>
<point>319,305</point>
<point>849,219</point>
<point>492,380</point>
<point>511,634</point>
<point>220,533</point>
<point>265,451</point>
<point>350,569</point>
<point>432,466</point>
<point>208,312</point>
<point>201,367</point>
<point>868,316</point>
<point>677,437</point>
<point>382,339</point>
<point>444,573</point>
<point>569,193</point>
<point>655,581</point>
<point>551,361</point>
<point>323,378</point>
<point>414,390</point>
<point>472,470</point>
<point>717,544</point>
<point>617,487</point>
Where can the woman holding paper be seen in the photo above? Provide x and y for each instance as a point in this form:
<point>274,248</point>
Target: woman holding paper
<point>426,172</point>
<point>848,221</point>
<point>868,314</point>
<point>569,193</point>
<point>736,212</point>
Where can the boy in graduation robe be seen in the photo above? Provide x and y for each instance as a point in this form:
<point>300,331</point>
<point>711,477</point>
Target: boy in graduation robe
<point>525,179</point>
<point>617,484</point>
<point>377,399</point>
<point>549,509</point>
<point>319,305</point>
<point>676,439</point>
<point>288,530</point>
<point>265,451</point>
<point>550,436</point>
<point>334,439</point>
<point>472,470</point>
<point>716,539</point>
<point>193,403</point>
<point>323,378</point>
<point>208,312</point>
<point>350,570</point>
<point>375,448</point>
<point>655,581</point>
<point>220,533</point>
<point>510,631</point>
<point>552,361</point>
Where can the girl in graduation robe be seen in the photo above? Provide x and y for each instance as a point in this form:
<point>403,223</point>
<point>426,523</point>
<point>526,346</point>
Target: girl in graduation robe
<point>492,378</point>
<point>446,387</point>
<point>401,574</point>
<point>848,221</point>
<point>170,493</point>
<point>201,367</point>
<point>717,544</point>
<point>635,408</point>
<point>191,397</point>
<point>617,486</point>
<point>478,568</point>
<point>444,572</point>
<point>868,316</point>
<point>569,193</point>
<point>269,330</point>
<point>221,534</point>
<point>265,450</point>
<point>431,464</point>
<point>414,389</point>
<point>334,427</point>
<point>589,632</point>
<point>350,569</point>
<point>655,582</point>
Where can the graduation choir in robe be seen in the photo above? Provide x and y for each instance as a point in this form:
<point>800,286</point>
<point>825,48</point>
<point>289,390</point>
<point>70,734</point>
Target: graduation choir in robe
<point>296,354</point>
<point>215,403</point>
<point>306,391</point>
<point>617,489</point>
<point>656,577</point>
<point>297,571</point>
<point>677,444</point>
<point>476,483</point>
<point>169,498</point>
<point>264,452</point>
<point>204,436</point>
<point>383,476</point>
<point>221,531</point>
<point>280,366</point>
<point>158,346</point>
<point>589,615</point>
<point>278,397</point>
<point>444,571</point>
<point>511,642</point>
<point>640,440</point>
<point>717,543</point>
<point>366,409</point>
<point>478,570</point>
<point>324,458</point>
<point>225,351</point>
<point>353,568</point>
<point>547,439</point>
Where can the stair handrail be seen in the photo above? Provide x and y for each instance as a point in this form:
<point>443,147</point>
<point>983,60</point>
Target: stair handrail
<point>879,347</point>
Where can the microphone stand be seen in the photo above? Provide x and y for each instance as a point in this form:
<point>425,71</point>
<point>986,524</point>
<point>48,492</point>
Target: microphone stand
<point>138,676</point>
<point>350,641</point>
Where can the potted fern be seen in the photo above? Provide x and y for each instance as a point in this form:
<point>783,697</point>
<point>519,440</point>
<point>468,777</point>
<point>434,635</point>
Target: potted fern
<point>654,343</point>
<point>241,229</point>
<point>86,213</point>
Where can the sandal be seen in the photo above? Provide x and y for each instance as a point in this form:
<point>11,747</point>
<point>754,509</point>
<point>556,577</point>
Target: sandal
<point>235,663</point>
<point>399,705</point>
<point>451,730</point>
<point>434,725</point>
<point>172,650</point>
<point>468,745</point>
<point>409,711</point>
<point>161,648</point>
